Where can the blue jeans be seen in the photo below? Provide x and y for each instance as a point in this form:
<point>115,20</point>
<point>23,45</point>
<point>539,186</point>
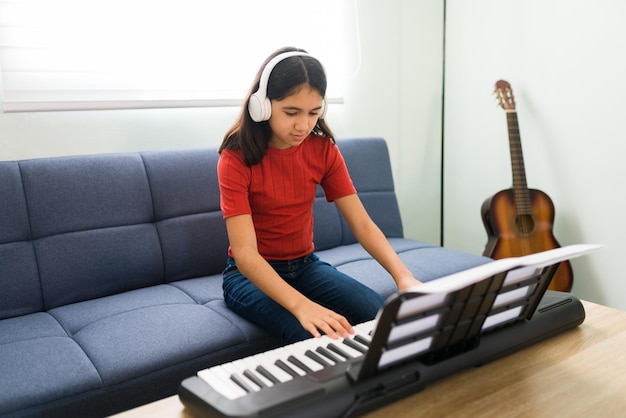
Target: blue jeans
<point>317,280</point>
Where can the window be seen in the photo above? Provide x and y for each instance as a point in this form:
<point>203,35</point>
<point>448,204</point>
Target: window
<point>117,54</point>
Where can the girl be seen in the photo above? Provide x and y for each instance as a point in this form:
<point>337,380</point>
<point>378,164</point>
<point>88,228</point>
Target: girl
<point>270,162</point>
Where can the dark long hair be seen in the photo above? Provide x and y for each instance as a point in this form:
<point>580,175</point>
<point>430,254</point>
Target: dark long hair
<point>289,75</point>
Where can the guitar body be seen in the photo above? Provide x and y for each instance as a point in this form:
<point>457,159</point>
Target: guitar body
<point>519,220</point>
<point>510,234</point>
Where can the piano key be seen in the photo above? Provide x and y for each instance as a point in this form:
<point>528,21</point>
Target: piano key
<point>251,366</point>
<point>242,370</point>
<point>325,341</point>
<point>237,377</point>
<point>280,359</point>
<point>267,362</point>
<point>329,354</point>
<point>296,361</point>
<point>241,381</point>
<point>329,361</point>
<point>221,383</point>
<point>316,357</point>
<point>288,368</point>
<point>299,354</point>
<point>365,328</point>
<point>363,340</point>
<point>269,376</point>
<point>345,351</point>
<point>251,375</point>
<point>282,354</point>
<point>355,345</point>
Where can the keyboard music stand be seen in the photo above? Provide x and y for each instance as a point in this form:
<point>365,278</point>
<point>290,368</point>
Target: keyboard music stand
<point>446,317</point>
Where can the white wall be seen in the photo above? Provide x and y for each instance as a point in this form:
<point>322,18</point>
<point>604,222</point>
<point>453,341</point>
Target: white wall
<point>399,79</point>
<point>566,63</point>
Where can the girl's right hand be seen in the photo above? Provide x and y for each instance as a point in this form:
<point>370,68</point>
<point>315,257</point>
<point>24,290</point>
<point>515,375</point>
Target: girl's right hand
<point>317,319</point>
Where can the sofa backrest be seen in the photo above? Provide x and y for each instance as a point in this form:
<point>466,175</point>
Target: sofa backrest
<point>81,227</point>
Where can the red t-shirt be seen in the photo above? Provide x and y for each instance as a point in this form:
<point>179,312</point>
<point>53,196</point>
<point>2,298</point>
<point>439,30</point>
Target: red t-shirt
<point>279,193</point>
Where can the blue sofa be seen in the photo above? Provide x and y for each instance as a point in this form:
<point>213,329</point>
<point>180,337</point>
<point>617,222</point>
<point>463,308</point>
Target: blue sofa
<point>110,273</point>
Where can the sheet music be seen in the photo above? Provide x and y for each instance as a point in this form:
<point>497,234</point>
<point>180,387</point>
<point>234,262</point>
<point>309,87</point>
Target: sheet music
<point>539,260</point>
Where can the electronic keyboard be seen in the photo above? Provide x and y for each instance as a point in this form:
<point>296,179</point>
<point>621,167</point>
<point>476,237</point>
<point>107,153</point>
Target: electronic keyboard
<point>419,336</point>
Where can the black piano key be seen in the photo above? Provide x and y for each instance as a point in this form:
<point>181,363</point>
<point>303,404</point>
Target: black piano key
<point>316,357</point>
<point>333,347</point>
<point>298,363</point>
<point>327,353</point>
<point>354,345</point>
<point>284,366</point>
<point>362,340</point>
<point>255,379</point>
<point>265,373</point>
<point>241,382</point>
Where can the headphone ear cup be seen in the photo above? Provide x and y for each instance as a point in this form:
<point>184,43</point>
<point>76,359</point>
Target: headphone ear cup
<point>259,108</point>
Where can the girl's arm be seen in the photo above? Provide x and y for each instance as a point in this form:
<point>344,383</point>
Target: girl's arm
<point>374,241</point>
<point>253,266</point>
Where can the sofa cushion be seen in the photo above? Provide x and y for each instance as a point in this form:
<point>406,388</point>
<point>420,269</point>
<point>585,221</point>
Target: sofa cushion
<point>41,363</point>
<point>142,331</point>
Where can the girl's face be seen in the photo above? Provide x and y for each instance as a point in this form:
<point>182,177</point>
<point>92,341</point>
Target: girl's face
<point>294,117</point>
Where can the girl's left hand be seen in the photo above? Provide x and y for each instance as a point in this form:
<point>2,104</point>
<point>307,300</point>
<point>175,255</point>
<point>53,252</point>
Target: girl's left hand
<point>407,282</point>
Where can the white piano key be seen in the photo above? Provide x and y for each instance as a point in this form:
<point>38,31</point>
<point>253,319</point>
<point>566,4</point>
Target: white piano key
<point>364,330</point>
<point>327,341</point>
<point>221,383</point>
<point>367,326</point>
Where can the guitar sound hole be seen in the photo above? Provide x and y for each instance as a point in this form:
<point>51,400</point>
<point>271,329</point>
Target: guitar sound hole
<point>525,223</point>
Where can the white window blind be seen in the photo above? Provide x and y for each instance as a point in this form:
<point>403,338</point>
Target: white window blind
<point>120,54</point>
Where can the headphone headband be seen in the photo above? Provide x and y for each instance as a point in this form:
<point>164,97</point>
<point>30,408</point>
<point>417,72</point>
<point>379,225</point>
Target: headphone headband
<point>259,106</point>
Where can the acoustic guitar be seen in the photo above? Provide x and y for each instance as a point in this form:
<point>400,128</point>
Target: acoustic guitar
<point>519,220</point>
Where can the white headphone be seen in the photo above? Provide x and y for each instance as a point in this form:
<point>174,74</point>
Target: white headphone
<point>259,106</point>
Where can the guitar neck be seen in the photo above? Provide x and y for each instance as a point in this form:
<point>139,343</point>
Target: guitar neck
<point>520,187</point>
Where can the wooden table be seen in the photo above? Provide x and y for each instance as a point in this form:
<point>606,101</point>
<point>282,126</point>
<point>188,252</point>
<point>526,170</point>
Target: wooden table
<point>580,373</point>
